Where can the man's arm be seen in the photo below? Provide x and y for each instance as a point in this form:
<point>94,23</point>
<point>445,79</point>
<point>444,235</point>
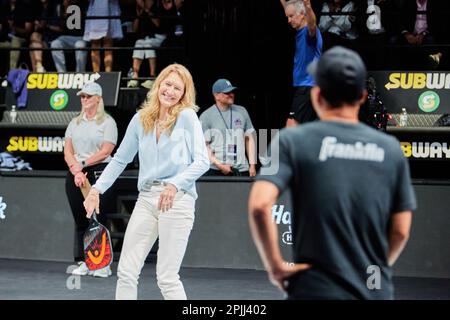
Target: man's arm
<point>225,168</point>
<point>209,134</point>
<point>250,148</point>
<point>283,3</point>
<point>263,196</point>
<point>398,234</point>
<point>26,31</point>
<point>310,18</point>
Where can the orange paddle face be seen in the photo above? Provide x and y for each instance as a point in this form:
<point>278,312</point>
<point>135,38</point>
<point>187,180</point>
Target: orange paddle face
<point>98,252</point>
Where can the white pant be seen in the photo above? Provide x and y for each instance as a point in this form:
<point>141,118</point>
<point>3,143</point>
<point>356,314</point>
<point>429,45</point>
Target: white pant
<point>146,224</point>
<point>68,42</point>
<point>150,43</point>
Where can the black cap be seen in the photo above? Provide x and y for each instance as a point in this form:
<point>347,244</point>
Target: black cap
<point>340,73</point>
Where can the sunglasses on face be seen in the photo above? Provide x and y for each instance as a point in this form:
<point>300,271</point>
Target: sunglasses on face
<point>228,93</point>
<point>85,96</point>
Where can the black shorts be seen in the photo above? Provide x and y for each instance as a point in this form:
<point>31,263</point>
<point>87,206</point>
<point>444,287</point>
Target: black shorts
<point>302,110</point>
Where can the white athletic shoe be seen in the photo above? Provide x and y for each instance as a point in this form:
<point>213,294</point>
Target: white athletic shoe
<point>82,270</point>
<point>148,84</point>
<point>40,69</point>
<point>103,273</point>
<point>132,84</point>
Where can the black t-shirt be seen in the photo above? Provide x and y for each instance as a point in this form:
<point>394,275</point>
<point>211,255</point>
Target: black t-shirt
<point>51,17</point>
<point>169,20</point>
<point>346,181</point>
<point>20,15</point>
<point>146,27</point>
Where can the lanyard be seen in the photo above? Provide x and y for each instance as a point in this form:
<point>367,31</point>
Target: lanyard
<point>223,119</point>
<point>227,129</point>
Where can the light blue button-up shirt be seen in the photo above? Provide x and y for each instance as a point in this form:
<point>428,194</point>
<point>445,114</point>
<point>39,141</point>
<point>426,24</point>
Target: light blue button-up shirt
<point>180,158</point>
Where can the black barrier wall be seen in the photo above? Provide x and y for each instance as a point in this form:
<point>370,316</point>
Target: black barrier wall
<point>37,224</point>
<point>221,235</point>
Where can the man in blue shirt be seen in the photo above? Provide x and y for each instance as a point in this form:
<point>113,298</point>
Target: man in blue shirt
<point>308,47</point>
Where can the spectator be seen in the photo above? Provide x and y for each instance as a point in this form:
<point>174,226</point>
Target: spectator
<point>229,134</point>
<point>46,29</point>
<point>416,29</point>
<point>173,9</point>
<point>175,36</point>
<point>152,31</point>
<point>70,38</point>
<point>107,30</point>
<point>338,29</point>
<point>19,27</point>
<point>146,26</point>
<point>419,28</point>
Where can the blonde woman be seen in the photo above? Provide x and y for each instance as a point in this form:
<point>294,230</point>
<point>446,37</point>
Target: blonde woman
<point>172,156</point>
<point>89,140</point>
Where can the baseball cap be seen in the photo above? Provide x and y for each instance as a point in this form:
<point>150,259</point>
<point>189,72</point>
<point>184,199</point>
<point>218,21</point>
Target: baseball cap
<point>340,73</point>
<point>92,89</point>
<point>222,85</point>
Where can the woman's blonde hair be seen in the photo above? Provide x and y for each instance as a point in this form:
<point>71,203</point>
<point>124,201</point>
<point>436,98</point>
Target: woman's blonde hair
<point>100,115</point>
<point>150,108</point>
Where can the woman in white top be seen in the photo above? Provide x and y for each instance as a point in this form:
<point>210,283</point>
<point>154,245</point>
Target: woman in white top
<point>107,29</point>
<point>172,156</point>
<point>89,140</point>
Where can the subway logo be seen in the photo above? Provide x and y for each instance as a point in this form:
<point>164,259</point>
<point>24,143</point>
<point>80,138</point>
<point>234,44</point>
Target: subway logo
<point>60,80</point>
<point>35,144</point>
<point>406,81</point>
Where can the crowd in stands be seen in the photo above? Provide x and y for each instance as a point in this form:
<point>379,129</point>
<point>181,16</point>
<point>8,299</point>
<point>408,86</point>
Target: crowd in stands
<point>369,25</point>
<point>366,24</point>
<point>47,24</point>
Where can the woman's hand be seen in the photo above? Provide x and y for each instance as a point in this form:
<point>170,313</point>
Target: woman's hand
<point>92,202</point>
<point>166,197</point>
<point>80,179</point>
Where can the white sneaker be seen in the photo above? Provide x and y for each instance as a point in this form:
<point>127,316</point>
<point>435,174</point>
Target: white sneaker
<point>40,69</point>
<point>148,84</point>
<point>103,273</point>
<point>132,84</point>
<point>82,270</point>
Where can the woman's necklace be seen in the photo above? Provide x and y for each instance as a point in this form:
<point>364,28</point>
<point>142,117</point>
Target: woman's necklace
<point>159,124</point>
